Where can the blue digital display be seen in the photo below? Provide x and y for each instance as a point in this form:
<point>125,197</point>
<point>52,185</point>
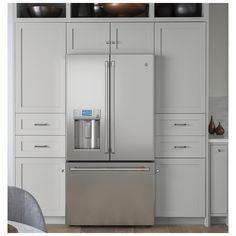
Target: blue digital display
<point>87,112</point>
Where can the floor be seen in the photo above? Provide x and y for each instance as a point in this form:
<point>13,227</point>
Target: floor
<point>53,228</point>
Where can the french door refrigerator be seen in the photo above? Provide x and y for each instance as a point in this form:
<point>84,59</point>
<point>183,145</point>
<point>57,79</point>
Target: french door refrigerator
<point>110,140</point>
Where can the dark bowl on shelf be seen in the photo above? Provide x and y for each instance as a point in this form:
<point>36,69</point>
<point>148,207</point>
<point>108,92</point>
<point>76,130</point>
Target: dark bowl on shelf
<point>164,9</point>
<point>188,9</point>
<point>124,9</point>
<point>44,11</point>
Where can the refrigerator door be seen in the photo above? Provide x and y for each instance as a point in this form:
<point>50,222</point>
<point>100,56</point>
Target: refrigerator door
<point>87,88</point>
<point>132,107</point>
<point>110,193</point>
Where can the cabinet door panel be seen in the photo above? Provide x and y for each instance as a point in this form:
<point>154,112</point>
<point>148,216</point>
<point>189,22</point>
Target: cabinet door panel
<point>88,38</point>
<point>180,67</point>
<point>180,188</point>
<point>132,38</point>
<point>45,180</point>
<point>219,180</point>
<point>40,67</point>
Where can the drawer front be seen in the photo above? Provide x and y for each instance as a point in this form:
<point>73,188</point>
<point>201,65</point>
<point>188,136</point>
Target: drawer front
<point>40,146</point>
<point>180,146</point>
<point>40,124</point>
<point>180,124</point>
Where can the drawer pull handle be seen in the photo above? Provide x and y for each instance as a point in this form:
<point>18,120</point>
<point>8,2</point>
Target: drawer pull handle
<point>180,146</point>
<point>41,146</point>
<point>180,124</point>
<point>41,124</point>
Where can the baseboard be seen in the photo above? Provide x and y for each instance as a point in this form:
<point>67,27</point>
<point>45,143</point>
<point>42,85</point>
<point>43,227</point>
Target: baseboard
<point>55,220</point>
<point>179,220</point>
<point>219,220</point>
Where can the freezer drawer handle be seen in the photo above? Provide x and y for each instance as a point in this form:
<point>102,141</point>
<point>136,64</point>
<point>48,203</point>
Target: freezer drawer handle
<point>109,169</point>
<point>41,146</point>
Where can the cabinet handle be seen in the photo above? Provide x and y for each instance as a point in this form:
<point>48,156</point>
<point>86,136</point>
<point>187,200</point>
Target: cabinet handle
<point>108,42</point>
<point>180,146</point>
<point>157,171</point>
<point>41,124</point>
<point>220,150</point>
<point>63,170</point>
<point>41,146</point>
<point>117,38</point>
<point>113,42</point>
<point>180,124</point>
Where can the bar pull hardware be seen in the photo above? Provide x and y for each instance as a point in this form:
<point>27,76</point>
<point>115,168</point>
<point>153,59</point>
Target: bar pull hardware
<point>41,124</point>
<point>108,42</point>
<point>113,42</point>
<point>41,146</point>
<point>180,124</point>
<point>109,169</point>
<point>181,146</point>
<point>113,107</point>
<point>107,106</point>
<point>117,38</point>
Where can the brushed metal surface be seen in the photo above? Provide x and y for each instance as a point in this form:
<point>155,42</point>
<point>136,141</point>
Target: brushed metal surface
<point>85,79</point>
<point>117,196</point>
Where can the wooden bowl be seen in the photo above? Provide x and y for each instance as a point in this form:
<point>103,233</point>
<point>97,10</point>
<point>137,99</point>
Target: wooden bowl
<point>124,9</point>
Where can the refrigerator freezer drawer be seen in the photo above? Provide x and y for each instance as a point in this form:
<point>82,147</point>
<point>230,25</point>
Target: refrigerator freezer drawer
<point>110,194</point>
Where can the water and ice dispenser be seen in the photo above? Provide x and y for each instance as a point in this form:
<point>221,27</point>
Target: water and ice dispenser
<point>87,128</point>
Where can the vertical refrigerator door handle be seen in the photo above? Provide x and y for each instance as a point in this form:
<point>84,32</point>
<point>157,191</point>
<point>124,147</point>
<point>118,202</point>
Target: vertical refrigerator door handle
<point>113,107</point>
<point>106,106</point>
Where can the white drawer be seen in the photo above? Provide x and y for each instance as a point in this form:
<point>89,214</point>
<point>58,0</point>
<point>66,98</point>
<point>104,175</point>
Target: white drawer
<point>180,146</point>
<point>40,124</point>
<point>180,124</point>
<point>40,146</point>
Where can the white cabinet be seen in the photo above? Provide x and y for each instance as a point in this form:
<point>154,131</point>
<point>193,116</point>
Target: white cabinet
<point>180,188</point>
<point>180,146</point>
<point>105,38</point>
<point>180,67</point>
<point>40,67</point>
<point>219,179</point>
<point>89,38</point>
<point>45,180</point>
<point>40,146</point>
<point>40,124</point>
<point>129,38</point>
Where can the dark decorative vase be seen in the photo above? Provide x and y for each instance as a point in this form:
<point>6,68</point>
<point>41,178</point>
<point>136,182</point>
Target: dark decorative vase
<point>188,9</point>
<point>219,129</point>
<point>211,127</point>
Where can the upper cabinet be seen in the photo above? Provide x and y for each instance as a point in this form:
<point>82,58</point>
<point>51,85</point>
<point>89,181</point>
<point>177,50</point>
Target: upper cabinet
<point>88,38</point>
<point>103,38</point>
<point>132,38</point>
<point>180,67</point>
<point>40,67</point>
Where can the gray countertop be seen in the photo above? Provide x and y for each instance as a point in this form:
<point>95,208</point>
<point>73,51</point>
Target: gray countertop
<point>217,138</point>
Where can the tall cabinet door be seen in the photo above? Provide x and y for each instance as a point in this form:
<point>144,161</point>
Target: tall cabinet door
<point>132,118</point>
<point>40,67</point>
<point>132,38</point>
<point>180,67</point>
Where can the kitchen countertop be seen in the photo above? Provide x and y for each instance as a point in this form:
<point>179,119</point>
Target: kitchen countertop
<point>217,138</point>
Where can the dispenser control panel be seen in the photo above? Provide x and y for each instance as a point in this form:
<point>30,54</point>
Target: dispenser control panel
<point>90,114</point>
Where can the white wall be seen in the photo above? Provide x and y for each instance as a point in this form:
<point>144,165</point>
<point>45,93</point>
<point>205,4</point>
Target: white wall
<point>218,50</point>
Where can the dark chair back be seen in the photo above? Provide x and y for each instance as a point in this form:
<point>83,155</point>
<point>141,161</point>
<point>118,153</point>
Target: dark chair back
<point>23,208</point>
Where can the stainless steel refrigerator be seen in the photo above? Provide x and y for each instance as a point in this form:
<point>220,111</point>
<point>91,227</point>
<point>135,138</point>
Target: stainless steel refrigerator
<point>110,140</point>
